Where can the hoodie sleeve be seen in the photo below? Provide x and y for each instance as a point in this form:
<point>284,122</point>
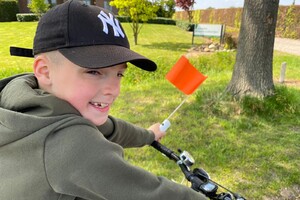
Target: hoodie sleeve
<point>80,162</point>
<point>125,133</point>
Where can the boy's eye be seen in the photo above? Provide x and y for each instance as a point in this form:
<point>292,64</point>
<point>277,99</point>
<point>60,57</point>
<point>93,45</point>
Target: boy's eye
<point>120,75</point>
<point>98,72</point>
<point>93,72</point>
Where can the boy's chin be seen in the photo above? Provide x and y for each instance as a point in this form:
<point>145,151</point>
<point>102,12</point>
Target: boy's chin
<point>99,122</point>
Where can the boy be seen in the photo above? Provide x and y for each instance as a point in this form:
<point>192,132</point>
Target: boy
<point>57,139</point>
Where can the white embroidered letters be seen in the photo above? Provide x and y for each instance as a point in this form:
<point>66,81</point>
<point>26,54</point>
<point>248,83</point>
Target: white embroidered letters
<point>109,19</point>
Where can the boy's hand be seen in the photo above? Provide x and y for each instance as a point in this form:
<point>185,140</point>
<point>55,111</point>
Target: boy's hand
<point>158,134</point>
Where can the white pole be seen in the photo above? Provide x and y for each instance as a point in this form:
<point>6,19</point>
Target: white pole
<point>282,72</point>
<point>166,123</point>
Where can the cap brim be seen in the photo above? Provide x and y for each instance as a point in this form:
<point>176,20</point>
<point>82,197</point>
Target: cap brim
<point>100,56</point>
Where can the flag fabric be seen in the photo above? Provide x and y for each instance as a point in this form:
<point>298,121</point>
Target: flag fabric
<point>185,76</point>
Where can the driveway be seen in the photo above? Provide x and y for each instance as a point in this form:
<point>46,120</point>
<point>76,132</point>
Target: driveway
<point>287,45</point>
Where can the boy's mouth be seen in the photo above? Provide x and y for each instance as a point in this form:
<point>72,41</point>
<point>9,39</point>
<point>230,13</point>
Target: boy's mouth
<point>99,105</point>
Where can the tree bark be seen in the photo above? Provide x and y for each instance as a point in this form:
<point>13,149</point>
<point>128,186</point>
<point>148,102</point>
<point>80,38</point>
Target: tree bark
<point>135,28</point>
<point>253,70</point>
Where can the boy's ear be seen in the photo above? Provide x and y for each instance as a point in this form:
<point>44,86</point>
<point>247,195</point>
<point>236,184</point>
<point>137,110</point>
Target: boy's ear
<point>42,69</point>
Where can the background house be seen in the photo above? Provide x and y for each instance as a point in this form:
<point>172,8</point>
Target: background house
<point>102,3</point>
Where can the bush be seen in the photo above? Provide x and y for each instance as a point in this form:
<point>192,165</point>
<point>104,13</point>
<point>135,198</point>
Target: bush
<point>38,7</point>
<point>27,17</point>
<point>123,18</point>
<point>185,25</point>
<point>162,20</point>
<point>8,11</point>
<point>230,41</point>
<point>157,20</point>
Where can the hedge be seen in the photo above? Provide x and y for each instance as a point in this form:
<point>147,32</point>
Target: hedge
<point>157,20</point>
<point>162,20</point>
<point>8,11</point>
<point>27,17</point>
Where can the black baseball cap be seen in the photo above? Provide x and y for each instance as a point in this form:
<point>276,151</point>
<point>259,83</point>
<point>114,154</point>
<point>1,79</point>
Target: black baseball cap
<point>87,35</point>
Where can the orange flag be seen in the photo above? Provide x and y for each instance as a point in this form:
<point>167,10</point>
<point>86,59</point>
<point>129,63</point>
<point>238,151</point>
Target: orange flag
<point>185,76</point>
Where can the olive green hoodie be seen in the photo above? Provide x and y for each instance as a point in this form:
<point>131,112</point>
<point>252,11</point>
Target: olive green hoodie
<point>48,151</point>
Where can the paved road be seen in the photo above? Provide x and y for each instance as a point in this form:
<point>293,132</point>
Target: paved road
<point>287,45</point>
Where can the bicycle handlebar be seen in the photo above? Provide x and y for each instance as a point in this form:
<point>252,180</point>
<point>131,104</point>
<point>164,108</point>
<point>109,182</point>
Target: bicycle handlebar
<point>199,178</point>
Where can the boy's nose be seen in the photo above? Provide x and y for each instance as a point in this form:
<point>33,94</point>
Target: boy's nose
<point>111,87</point>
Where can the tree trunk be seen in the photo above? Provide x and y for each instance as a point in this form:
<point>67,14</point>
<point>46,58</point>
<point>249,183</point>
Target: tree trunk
<point>253,70</point>
<point>135,28</point>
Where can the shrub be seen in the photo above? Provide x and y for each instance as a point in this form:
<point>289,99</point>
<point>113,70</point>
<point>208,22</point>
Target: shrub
<point>185,25</point>
<point>123,18</point>
<point>162,20</point>
<point>8,11</point>
<point>290,22</point>
<point>230,41</point>
<point>27,17</point>
<point>157,20</point>
<point>38,7</point>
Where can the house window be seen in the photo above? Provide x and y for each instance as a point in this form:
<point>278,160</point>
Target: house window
<point>52,2</point>
<point>107,6</point>
<point>87,2</point>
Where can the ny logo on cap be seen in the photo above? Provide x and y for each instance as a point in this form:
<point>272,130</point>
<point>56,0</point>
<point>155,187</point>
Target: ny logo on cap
<point>109,19</point>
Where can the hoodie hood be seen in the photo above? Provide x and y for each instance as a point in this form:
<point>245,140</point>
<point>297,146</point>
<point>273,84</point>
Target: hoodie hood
<point>21,100</point>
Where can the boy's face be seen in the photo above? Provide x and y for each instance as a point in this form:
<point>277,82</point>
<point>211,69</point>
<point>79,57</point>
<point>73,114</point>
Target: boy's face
<point>90,91</point>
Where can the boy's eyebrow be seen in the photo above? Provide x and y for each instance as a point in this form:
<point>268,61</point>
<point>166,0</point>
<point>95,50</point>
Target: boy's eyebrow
<point>125,66</point>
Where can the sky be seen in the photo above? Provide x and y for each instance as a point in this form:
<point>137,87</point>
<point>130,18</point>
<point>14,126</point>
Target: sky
<point>203,4</point>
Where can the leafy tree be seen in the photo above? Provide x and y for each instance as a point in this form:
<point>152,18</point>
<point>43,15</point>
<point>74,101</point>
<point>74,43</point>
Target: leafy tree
<point>253,70</point>
<point>166,8</point>
<point>138,11</point>
<point>187,6</point>
<point>38,7</point>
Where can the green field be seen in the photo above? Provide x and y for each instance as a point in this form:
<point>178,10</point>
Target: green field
<point>250,146</point>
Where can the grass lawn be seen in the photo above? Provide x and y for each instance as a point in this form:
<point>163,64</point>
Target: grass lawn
<point>250,146</point>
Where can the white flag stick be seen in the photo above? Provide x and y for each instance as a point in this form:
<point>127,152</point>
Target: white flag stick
<point>166,123</point>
